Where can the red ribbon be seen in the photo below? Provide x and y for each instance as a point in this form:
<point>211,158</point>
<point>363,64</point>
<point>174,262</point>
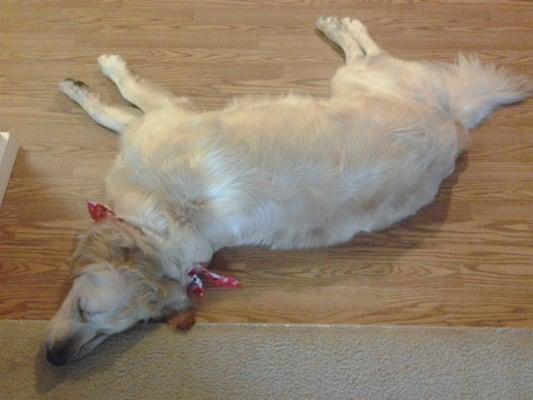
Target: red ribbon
<point>201,273</point>
<point>198,274</point>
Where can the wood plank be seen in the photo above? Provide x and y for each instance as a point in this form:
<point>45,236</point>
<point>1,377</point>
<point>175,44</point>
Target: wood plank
<point>466,259</point>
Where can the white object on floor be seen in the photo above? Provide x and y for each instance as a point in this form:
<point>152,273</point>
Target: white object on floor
<point>8,152</point>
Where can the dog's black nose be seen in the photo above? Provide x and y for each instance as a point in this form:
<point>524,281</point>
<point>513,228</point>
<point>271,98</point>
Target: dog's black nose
<point>58,355</point>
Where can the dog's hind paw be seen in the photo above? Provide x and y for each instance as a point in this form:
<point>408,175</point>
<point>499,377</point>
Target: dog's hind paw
<point>328,24</point>
<point>354,26</point>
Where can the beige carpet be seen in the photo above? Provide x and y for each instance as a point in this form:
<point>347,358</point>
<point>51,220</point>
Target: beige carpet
<point>234,361</point>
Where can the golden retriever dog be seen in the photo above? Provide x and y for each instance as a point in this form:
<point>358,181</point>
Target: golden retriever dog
<point>289,172</point>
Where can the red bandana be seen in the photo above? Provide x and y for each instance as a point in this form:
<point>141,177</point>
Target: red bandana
<point>198,274</point>
<point>99,211</point>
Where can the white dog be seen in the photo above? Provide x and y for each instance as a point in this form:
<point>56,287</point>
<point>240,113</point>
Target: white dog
<point>287,172</point>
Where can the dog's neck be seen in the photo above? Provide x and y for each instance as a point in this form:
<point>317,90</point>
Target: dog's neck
<point>180,249</point>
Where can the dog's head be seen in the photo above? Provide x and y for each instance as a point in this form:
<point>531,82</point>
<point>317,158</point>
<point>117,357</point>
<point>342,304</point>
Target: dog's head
<point>118,283</point>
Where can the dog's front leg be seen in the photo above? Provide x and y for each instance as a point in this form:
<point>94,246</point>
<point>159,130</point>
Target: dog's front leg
<point>114,117</point>
<point>144,95</point>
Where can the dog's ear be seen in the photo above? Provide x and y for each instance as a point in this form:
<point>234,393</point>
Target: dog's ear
<point>182,320</point>
<point>112,241</point>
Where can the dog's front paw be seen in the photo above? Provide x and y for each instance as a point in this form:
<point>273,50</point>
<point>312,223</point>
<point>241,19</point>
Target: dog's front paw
<point>75,90</point>
<point>112,66</point>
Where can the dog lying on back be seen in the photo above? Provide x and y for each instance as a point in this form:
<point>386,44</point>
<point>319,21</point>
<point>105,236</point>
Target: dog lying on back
<point>288,172</point>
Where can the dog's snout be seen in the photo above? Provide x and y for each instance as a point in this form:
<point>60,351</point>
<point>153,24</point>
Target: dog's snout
<point>59,353</point>
<point>56,356</point>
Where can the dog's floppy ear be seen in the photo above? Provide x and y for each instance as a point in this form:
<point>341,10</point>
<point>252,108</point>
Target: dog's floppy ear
<point>111,241</point>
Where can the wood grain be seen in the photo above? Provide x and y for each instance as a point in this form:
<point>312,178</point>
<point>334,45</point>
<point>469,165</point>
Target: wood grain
<point>466,259</point>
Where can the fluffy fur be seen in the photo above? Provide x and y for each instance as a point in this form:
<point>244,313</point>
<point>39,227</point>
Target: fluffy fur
<point>287,172</point>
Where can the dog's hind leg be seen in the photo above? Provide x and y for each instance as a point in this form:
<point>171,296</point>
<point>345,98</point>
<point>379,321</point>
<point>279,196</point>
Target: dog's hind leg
<point>359,32</point>
<point>138,92</point>
<point>334,31</point>
<point>351,35</point>
<point>116,118</point>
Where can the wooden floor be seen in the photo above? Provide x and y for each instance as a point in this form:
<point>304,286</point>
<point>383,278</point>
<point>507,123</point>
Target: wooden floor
<point>466,259</point>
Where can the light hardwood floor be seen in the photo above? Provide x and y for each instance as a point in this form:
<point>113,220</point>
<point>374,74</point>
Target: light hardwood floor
<point>466,259</point>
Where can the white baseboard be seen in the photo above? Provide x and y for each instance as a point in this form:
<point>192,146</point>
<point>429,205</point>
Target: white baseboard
<point>8,152</point>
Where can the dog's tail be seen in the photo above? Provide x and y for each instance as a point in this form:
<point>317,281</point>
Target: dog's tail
<point>476,89</point>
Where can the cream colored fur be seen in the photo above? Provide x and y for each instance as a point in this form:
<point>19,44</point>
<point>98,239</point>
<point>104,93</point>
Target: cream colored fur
<point>288,172</point>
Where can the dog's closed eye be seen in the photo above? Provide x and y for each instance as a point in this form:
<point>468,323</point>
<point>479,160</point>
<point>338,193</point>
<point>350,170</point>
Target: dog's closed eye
<point>86,314</point>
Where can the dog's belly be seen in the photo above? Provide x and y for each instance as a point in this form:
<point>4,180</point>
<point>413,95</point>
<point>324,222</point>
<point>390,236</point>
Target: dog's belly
<point>318,201</point>
<point>314,227</point>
